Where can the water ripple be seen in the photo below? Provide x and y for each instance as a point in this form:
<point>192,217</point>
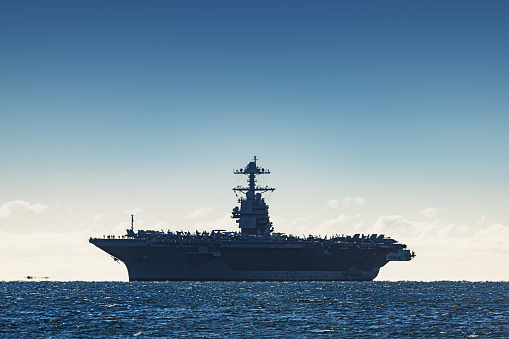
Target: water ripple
<point>240,309</point>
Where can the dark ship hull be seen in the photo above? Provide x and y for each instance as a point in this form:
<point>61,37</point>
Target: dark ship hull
<point>254,253</point>
<point>237,260</point>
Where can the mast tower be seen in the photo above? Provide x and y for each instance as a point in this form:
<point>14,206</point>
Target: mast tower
<point>253,215</point>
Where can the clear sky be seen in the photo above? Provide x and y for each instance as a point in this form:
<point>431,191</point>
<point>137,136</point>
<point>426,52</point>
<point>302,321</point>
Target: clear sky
<point>373,116</point>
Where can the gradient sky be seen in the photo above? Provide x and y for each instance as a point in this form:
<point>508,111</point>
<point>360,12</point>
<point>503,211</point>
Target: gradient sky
<point>374,117</point>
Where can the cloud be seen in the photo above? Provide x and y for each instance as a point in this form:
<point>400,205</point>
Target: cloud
<point>305,224</point>
<point>19,207</point>
<point>199,213</point>
<point>390,224</point>
<point>484,219</point>
<point>453,231</point>
<point>445,250</point>
<point>397,225</point>
<point>96,218</point>
<point>498,232</point>
<point>122,227</point>
<point>334,203</point>
<point>354,200</point>
<point>428,212</point>
<point>331,224</point>
<point>302,219</point>
<point>223,223</point>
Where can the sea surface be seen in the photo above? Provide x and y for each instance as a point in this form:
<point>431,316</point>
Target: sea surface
<point>377,309</point>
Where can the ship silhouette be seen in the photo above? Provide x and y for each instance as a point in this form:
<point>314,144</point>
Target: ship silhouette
<point>255,253</point>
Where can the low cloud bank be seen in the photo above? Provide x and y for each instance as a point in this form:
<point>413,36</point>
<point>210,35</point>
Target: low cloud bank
<point>474,251</point>
<point>19,207</point>
<point>347,201</point>
<point>445,250</point>
<point>199,213</point>
<point>59,256</point>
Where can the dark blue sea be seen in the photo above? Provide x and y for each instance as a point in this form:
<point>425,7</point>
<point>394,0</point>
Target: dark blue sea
<point>254,309</point>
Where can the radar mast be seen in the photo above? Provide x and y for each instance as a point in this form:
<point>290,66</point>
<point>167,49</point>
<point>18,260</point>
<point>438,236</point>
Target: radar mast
<point>253,215</point>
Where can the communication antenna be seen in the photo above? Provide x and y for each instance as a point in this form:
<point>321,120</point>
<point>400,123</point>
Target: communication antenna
<point>132,222</point>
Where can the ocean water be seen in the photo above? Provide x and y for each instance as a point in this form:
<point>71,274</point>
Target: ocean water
<point>254,309</point>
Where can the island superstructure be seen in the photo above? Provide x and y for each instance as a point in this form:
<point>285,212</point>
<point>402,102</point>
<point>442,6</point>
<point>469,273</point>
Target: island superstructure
<point>255,253</point>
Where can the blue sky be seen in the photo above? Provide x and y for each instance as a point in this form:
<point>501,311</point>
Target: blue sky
<point>113,106</point>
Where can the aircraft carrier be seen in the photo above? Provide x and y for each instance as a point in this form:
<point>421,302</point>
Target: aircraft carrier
<point>255,253</point>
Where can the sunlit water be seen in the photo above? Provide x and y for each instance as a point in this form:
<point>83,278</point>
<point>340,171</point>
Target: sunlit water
<point>249,309</point>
